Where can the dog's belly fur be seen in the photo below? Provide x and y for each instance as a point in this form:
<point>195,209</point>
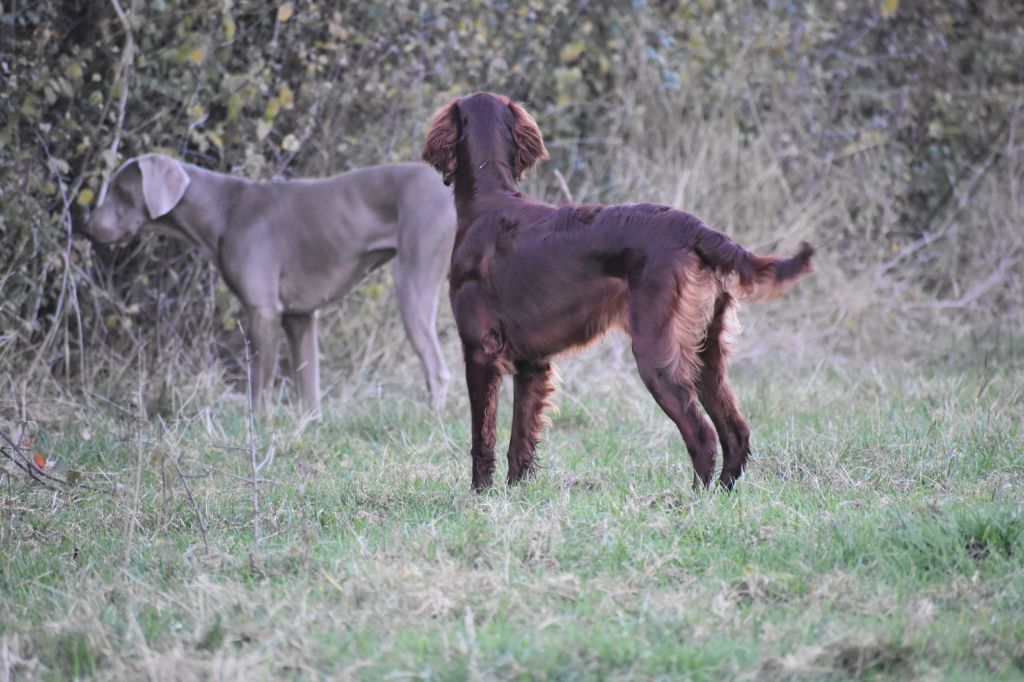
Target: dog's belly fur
<point>538,330</point>
<point>305,291</point>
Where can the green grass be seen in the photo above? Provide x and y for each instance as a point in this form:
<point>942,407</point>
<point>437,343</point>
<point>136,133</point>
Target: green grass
<point>878,534</point>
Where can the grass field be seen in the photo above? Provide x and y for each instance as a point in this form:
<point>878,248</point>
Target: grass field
<point>878,534</point>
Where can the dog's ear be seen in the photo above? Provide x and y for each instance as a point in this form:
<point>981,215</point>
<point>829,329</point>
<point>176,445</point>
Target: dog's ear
<point>528,142</point>
<point>164,181</point>
<point>439,151</point>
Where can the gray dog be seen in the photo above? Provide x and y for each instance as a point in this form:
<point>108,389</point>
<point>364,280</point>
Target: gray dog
<point>286,248</point>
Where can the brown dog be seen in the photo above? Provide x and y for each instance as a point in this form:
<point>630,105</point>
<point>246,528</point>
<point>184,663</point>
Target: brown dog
<point>529,280</point>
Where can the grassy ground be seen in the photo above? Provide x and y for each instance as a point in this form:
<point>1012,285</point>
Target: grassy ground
<point>878,534</point>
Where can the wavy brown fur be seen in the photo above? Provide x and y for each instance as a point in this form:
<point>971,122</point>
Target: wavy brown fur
<point>529,281</point>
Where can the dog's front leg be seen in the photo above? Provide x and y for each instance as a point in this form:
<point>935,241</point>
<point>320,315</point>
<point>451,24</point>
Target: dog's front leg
<point>264,332</point>
<point>483,378</point>
<point>532,388</point>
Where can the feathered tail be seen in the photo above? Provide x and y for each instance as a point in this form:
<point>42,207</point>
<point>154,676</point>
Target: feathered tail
<point>760,277</point>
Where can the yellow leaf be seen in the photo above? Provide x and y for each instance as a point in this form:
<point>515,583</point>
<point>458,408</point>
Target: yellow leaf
<point>197,55</point>
<point>284,12</point>
<point>85,198</point>
<point>235,105</point>
<point>230,28</point>
<point>263,129</point>
<point>889,8</point>
<point>74,71</point>
<point>286,98</point>
<point>273,107</point>
<point>29,108</point>
<point>571,51</point>
<point>337,30</point>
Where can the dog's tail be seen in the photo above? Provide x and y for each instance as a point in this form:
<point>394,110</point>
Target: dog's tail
<point>760,277</point>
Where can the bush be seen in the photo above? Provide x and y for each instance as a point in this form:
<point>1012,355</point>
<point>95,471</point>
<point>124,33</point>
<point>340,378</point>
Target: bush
<point>888,133</point>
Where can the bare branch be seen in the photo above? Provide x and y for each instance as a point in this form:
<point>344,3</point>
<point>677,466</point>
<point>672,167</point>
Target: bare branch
<point>124,74</point>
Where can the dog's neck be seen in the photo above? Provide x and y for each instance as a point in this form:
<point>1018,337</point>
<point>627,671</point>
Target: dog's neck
<point>201,216</point>
<point>479,187</point>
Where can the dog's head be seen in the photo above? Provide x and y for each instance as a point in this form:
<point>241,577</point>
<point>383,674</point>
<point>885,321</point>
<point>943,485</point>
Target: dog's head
<point>142,191</point>
<point>468,133</point>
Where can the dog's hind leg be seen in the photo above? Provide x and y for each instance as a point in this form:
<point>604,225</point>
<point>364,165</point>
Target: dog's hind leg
<point>421,265</point>
<point>300,328</point>
<point>677,398</point>
<point>717,397</point>
<point>417,300</point>
<point>532,388</point>
<point>665,322</point>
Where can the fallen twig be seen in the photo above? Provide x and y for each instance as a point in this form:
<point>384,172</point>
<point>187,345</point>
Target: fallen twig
<point>192,501</point>
<point>24,461</point>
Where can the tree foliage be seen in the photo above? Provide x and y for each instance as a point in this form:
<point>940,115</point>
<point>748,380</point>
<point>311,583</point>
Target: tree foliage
<point>916,103</point>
